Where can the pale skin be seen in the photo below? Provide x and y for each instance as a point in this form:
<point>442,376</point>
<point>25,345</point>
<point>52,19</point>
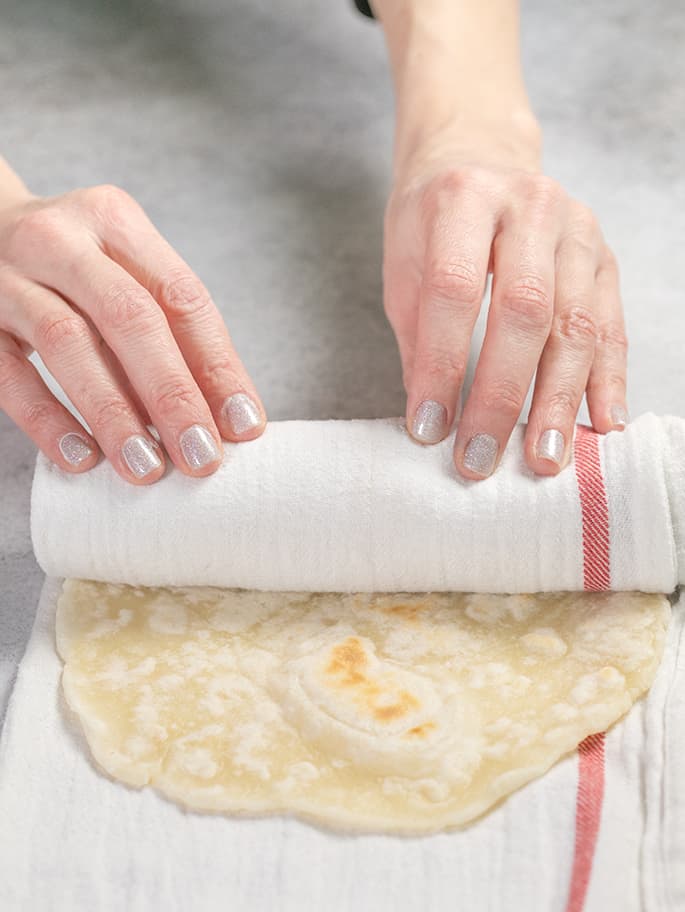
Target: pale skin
<point>133,336</point>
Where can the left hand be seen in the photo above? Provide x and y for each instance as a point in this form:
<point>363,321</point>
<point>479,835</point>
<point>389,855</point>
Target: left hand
<point>455,215</point>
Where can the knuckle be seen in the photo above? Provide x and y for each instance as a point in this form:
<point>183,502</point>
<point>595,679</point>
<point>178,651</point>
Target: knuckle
<point>185,296</point>
<point>54,334</point>
<point>613,335</point>
<point>528,301</point>
<point>542,194</point>
<point>107,199</point>
<point>439,365</point>
<point>576,324</point>
<point>12,365</point>
<point>42,227</point>
<point>579,243</point>
<point>122,307</point>
<point>585,227</point>
<point>172,395</point>
<point>450,182</point>
<point>585,217</point>
<point>503,396</point>
<point>611,379</point>
<point>215,372</point>
<point>456,282</point>
<point>107,411</point>
<point>563,402</point>
<point>442,189</point>
<point>37,415</point>
<point>544,190</point>
<point>615,379</point>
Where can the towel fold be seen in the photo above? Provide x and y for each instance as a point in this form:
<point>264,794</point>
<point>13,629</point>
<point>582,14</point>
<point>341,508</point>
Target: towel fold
<point>359,506</point>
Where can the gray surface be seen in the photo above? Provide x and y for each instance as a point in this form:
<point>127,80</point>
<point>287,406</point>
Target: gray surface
<point>259,141</point>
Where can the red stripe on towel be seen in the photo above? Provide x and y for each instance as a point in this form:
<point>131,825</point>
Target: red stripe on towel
<point>596,578</point>
<point>588,815</point>
<point>594,509</point>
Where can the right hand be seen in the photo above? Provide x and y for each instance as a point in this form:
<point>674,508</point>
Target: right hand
<point>127,330</point>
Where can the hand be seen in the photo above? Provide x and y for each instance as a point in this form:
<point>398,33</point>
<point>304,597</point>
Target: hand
<point>128,331</point>
<point>555,306</point>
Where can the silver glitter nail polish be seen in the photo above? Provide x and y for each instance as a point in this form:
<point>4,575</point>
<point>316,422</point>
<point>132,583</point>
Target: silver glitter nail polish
<point>480,454</point>
<point>198,447</point>
<point>140,456</point>
<point>551,445</point>
<point>429,422</point>
<point>241,413</point>
<point>74,448</point>
<point>619,416</point>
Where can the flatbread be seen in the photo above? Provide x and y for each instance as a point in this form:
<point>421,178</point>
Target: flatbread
<point>397,713</point>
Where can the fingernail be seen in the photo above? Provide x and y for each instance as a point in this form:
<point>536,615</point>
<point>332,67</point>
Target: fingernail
<point>551,445</point>
<point>241,413</point>
<point>140,456</point>
<point>619,416</point>
<point>74,449</point>
<point>480,454</point>
<point>198,447</point>
<point>429,422</point>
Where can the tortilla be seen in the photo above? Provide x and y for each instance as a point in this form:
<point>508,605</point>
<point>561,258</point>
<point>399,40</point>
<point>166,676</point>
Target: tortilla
<point>401,713</point>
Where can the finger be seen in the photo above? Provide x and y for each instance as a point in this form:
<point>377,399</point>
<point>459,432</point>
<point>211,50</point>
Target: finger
<point>195,322</point>
<point>137,331</point>
<point>452,288</point>
<point>71,353</point>
<point>565,363</point>
<point>110,360</point>
<point>606,386</point>
<point>116,370</point>
<point>30,404</point>
<point>517,327</point>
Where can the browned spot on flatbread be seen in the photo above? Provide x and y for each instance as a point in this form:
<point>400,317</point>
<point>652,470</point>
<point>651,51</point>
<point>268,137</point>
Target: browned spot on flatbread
<point>348,660</point>
<point>420,731</point>
<point>348,663</point>
<point>405,702</point>
<point>409,611</point>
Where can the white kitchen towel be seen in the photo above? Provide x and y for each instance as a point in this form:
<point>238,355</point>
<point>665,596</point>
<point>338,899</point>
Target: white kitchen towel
<point>602,830</point>
<point>359,506</point>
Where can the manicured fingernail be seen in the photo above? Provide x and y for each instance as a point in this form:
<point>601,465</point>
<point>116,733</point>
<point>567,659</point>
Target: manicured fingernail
<point>480,454</point>
<point>429,422</point>
<point>74,449</point>
<point>619,416</point>
<point>551,445</point>
<point>198,447</point>
<point>140,455</point>
<point>241,413</point>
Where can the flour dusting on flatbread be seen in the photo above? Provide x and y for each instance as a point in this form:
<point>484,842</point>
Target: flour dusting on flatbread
<point>400,713</point>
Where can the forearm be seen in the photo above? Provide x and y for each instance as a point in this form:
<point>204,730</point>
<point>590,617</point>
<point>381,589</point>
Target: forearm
<point>12,188</point>
<point>457,74</point>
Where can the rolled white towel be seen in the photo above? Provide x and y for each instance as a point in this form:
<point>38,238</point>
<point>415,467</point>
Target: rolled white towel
<point>359,506</point>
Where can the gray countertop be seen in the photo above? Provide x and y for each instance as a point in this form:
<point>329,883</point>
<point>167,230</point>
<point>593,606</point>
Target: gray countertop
<point>258,138</point>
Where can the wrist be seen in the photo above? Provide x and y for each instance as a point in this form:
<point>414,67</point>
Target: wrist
<point>458,81</point>
<point>502,139</point>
